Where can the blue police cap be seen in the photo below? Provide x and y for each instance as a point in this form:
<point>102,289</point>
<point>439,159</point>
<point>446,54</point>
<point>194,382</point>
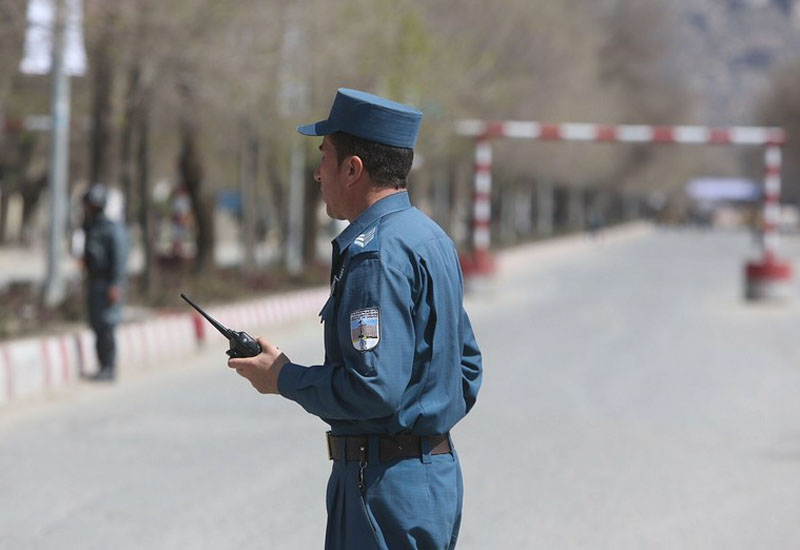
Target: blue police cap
<point>369,117</point>
<point>96,195</point>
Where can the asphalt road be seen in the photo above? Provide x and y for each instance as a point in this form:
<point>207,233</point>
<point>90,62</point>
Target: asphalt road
<point>631,400</point>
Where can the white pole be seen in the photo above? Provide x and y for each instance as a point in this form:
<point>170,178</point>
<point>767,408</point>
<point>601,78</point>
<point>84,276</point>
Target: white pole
<point>53,291</point>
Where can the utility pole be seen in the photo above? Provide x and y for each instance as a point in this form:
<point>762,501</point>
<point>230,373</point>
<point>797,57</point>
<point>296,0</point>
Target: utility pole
<point>54,45</point>
<point>53,291</point>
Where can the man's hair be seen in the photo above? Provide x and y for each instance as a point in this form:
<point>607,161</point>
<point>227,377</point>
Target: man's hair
<point>387,166</point>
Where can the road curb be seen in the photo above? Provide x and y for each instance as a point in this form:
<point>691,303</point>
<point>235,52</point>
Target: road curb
<point>38,365</point>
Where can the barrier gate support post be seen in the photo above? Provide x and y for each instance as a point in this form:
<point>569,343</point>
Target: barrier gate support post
<point>770,278</point>
<point>481,262</point>
<point>765,279</point>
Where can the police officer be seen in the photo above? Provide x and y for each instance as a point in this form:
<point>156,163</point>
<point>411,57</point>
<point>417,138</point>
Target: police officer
<point>402,366</point>
<point>105,261</point>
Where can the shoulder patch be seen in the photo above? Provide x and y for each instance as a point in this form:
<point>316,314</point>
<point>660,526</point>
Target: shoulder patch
<point>365,328</point>
<point>365,238</point>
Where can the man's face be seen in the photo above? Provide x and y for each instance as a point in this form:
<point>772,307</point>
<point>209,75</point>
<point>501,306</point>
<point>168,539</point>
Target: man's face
<point>328,174</point>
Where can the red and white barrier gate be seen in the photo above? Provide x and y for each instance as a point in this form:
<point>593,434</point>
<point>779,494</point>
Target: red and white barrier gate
<point>766,278</point>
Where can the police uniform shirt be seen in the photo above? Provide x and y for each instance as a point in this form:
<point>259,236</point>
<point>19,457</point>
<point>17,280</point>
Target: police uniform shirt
<point>400,354</point>
<point>106,251</point>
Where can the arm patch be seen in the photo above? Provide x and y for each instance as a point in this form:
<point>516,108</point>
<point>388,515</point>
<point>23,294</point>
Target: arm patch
<point>365,328</point>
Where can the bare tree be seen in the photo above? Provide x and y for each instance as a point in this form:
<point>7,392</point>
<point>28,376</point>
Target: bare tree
<point>192,178</point>
<point>636,67</point>
<point>102,64</point>
<point>188,91</point>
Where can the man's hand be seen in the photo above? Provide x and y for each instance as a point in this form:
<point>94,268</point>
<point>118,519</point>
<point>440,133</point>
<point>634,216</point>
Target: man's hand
<point>263,369</point>
<point>114,294</point>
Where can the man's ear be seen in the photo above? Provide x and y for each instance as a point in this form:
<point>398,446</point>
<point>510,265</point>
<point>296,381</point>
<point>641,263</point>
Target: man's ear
<point>353,168</point>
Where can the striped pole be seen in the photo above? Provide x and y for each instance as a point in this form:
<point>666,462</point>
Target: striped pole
<point>482,210</point>
<point>772,198</point>
<point>770,277</point>
<point>765,279</point>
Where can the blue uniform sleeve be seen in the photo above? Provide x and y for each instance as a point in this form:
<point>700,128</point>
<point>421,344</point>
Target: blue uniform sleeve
<point>369,382</point>
<point>471,364</point>
<point>118,253</point>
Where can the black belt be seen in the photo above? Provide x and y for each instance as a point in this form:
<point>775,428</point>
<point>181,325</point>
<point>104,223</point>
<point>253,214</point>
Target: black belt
<point>356,447</point>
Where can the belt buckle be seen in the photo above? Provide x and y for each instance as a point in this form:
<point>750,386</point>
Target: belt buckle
<point>328,441</point>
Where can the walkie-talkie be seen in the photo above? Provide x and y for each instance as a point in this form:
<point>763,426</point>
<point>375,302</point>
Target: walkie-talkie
<point>242,344</point>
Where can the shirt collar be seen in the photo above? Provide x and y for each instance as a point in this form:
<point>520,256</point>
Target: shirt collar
<point>387,205</point>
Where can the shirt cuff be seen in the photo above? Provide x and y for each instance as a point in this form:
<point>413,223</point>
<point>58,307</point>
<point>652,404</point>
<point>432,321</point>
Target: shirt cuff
<point>288,380</point>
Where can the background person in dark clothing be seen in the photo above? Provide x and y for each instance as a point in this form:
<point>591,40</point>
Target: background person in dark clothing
<point>105,259</point>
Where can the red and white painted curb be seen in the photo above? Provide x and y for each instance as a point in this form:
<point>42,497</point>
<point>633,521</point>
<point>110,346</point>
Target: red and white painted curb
<point>768,278</point>
<point>34,366</point>
<point>31,365</point>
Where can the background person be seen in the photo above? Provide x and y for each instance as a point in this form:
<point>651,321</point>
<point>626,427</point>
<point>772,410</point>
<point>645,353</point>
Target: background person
<point>105,261</point>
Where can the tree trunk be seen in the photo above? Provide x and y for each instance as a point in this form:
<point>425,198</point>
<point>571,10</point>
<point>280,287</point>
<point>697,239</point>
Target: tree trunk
<point>102,89</point>
<point>31,193</point>
<point>441,193</point>
<point>545,208</point>
<point>127,131</point>
<point>5,195</point>
<point>248,176</point>
<point>523,209</point>
<point>276,195</point>
<point>143,173</point>
<point>507,212</point>
<point>190,168</point>
<point>7,182</point>
<point>462,194</point>
<point>275,200</point>
<point>310,225</point>
<point>14,179</point>
<point>576,213</point>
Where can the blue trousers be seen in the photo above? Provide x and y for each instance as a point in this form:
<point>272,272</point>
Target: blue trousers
<point>408,503</point>
<point>103,318</point>
<point>105,346</point>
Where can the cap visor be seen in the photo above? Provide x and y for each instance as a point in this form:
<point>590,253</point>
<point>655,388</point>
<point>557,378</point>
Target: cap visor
<point>321,128</point>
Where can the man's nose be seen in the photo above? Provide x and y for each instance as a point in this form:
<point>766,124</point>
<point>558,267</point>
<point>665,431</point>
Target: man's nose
<point>317,177</point>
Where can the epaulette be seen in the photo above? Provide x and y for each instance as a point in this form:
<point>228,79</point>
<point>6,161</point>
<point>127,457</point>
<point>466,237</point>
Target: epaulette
<point>366,242</point>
